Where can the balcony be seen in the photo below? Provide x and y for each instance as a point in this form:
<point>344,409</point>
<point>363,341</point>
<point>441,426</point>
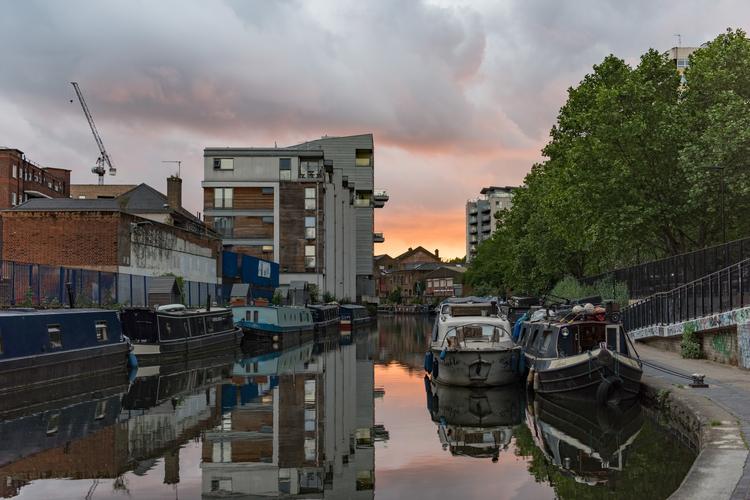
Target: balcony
<point>379,198</point>
<point>473,230</point>
<point>486,218</point>
<point>378,238</point>
<point>473,210</point>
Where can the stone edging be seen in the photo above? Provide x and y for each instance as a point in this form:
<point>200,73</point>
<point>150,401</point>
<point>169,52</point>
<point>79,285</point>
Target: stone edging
<point>722,452</point>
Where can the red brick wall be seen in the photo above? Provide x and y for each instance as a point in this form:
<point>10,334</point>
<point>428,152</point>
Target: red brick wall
<point>85,240</point>
<point>38,181</point>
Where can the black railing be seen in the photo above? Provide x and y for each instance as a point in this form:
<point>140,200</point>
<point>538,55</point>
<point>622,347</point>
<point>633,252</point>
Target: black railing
<point>665,274</point>
<point>717,292</point>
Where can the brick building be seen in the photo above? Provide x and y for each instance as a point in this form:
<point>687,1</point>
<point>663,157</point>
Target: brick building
<point>420,274</point>
<point>22,179</point>
<point>141,232</point>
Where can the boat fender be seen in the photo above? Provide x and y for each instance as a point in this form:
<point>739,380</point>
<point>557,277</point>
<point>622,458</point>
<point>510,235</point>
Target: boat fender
<point>428,361</point>
<point>443,353</point>
<point>530,378</point>
<point>435,369</point>
<point>536,382</point>
<point>609,391</point>
<point>132,361</point>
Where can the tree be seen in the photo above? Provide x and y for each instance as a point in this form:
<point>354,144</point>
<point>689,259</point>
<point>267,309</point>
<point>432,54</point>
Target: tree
<point>395,295</point>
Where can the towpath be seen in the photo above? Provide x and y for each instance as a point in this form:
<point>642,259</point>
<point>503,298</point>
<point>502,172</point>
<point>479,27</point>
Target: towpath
<point>729,388</point>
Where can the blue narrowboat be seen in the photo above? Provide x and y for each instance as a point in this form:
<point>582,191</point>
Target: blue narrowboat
<point>279,326</point>
<point>353,315</point>
<point>174,332</point>
<point>39,346</point>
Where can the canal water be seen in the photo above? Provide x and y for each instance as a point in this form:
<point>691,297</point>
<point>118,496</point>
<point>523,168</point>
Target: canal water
<point>344,417</point>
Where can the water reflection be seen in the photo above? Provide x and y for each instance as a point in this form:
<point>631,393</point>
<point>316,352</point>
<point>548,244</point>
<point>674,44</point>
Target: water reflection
<point>310,421</point>
<point>474,422</point>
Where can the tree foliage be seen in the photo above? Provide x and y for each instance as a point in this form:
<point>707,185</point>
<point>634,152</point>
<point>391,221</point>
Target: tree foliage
<point>624,177</point>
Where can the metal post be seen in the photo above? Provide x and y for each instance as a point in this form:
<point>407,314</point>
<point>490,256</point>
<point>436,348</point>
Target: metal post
<point>99,287</point>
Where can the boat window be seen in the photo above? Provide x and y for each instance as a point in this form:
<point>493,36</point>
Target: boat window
<point>589,336</point>
<point>101,408</point>
<point>172,328</point>
<point>53,424</point>
<point>197,327</point>
<point>547,342</point>
<point>532,339</point>
<point>209,325</point>
<point>55,336</point>
<point>101,331</point>
<point>255,316</point>
<point>612,331</point>
<point>522,337</point>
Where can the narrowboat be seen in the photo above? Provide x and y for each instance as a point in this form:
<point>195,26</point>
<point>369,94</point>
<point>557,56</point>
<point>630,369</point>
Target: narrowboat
<point>173,332</point>
<point>582,354</point>
<point>471,345</point>
<point>353,315</point>
<point>276,326</point>
<point>324,315</point>
<point>42,346</point>
<point>474,422</point>
<point>583,440</point>
<point>515,307</point>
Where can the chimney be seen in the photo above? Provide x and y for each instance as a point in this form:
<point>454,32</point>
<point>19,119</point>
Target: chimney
<point>174,192</point>
<point>437,253</point>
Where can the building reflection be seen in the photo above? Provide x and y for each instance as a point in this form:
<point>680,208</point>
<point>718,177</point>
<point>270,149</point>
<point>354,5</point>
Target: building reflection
<point>295,423</point>
<point>403,339</point>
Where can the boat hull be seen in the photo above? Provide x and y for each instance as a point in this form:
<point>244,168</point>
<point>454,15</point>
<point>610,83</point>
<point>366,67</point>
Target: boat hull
<point>23,374</point>
<point>278,339</point>
<point>475,407</point>
<point>601,376</point>
<point>474,368</point>
<point>207,345</point>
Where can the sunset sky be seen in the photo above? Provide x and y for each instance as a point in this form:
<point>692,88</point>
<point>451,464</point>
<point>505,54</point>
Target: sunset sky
<point>457,94</point>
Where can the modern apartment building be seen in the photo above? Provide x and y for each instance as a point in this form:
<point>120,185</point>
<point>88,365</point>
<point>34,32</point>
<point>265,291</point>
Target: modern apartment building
<point>481,216</point>
<point>680,57</point>
<point>309,207</point>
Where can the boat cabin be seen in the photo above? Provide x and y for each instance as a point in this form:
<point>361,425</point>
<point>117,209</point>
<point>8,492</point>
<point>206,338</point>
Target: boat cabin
<point>354,313</point>
<point>30,332</point>
<point>324,314</point>
<point>273,317</point>
<point>543,339</point>
<point>148,326</point>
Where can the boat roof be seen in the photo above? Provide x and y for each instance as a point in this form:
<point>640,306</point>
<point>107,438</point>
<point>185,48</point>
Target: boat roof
<point>25,311</point>
<point>473,320</point>
<point>352,306</point>
<point>469,300</point>
<point>322,306</point>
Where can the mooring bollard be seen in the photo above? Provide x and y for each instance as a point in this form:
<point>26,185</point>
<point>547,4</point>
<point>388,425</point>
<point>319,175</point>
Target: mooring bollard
<point>698,380</point>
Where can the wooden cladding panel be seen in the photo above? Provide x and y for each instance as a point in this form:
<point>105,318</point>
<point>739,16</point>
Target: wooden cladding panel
<point>252,227</point>
<point>292,230</point>
<point>244,198</point>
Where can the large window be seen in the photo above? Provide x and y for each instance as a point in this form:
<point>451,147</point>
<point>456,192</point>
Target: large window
<point>285,169</point>
<point>223,197</point>
<point>55,336</point>
<point>310,199</point>
<point>224,163</point>
<point>224,226</point>
<point>309,256</point>
<point>682,63</point>
<point>15,171</point>
<point>102,333</point>
<point>364,158</point>
<point>310,228</point>
<point>309,168</point>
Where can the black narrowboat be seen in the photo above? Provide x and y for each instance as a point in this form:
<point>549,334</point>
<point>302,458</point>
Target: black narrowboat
<point>583,355</point>
<point>324,315</point>
<point>173,332</point>
<point>39,346</point>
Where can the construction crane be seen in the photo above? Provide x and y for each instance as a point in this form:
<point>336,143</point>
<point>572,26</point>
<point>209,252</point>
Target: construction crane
<point>103,160</point>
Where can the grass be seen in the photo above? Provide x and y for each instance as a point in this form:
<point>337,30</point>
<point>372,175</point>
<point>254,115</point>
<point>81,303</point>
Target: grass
<point>715,423</point>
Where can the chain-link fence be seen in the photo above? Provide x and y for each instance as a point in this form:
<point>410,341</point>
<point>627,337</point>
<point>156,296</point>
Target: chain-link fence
<point>37,285</point>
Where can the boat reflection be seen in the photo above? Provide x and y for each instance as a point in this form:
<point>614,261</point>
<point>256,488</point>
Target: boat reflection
<point>475,422</point>
<point>584,440</point>
<point>298,422</point>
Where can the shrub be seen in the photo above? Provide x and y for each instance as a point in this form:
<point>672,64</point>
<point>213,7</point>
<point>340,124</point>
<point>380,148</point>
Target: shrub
<point>690,348</point>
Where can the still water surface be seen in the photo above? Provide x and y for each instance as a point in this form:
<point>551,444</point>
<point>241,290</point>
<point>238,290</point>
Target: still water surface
<point>329,419</point>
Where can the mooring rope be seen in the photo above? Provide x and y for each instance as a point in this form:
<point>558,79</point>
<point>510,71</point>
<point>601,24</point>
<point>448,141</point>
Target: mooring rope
<point>669,371</point>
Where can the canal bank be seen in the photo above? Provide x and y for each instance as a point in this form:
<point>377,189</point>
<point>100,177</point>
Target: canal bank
<point>716,419</point>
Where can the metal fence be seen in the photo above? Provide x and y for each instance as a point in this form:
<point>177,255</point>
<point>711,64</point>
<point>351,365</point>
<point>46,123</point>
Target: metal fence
<point>668,273</point>
<point>36,285</point>
<point>717,292</point>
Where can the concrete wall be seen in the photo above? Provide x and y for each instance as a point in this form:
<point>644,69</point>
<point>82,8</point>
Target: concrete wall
<point>725,336</point>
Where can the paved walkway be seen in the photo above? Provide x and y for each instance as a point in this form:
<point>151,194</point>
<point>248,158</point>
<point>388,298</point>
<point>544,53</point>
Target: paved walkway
<point>729,388</point>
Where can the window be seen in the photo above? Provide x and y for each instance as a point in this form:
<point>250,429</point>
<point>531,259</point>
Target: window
<point>309,168</point>
<point>101,331</point>
<point>266,190</point>
<point>682,63</point>
<point>310,419</point>
<point>364,158</point>
<point>13,199</point>
<point>221,484</point>
<point>267,220</point>
<point>310,449</point>
<point>310,199</point>
<point>309,256</point>
<point>224,226</point>
<point>14,171</point>
<point>224,163</point>
<point>55,336</point>
<point>310,228</point>
<point>53,424</point>
<point>285,169</point>
<point>310,390</point>
<point>222,452</point>
<point>363,199</point>
<point>266,248</point>
<point>101,409</point>
<point>223,197</point>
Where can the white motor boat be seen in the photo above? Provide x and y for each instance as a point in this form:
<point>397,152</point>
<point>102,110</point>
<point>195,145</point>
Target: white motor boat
<point>471,345</point>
